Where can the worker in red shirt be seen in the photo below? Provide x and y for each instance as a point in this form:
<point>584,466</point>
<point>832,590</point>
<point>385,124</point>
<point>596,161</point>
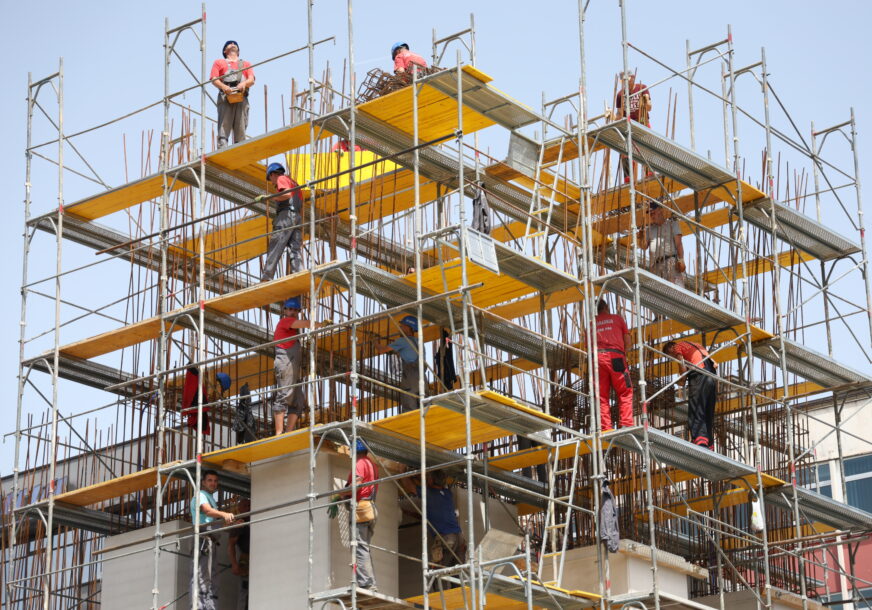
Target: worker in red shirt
<point>233,77</point>
<point>287,225</point>
<point>365,471</point>
<point>404,58</point>
<point>289,398</point>
<point>613,342</point>
<point>702,389</point>
<point>640,107</point>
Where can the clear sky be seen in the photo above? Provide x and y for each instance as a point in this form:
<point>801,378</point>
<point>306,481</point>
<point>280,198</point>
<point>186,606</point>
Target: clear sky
<point>113,59</point>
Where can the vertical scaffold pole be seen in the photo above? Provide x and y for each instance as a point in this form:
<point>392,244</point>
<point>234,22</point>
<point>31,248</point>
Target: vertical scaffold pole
<point>59,232</point>
<point>640,338</point>
<point>861,222</point>
<point>745,298</point>
<point>587,270</point>
<point>22,327</point>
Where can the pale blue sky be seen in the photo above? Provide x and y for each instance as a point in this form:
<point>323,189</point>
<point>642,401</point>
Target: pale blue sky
<point>817,53</point>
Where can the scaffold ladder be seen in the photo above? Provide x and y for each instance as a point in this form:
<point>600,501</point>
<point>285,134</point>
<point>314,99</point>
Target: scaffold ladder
<point>550,533</point>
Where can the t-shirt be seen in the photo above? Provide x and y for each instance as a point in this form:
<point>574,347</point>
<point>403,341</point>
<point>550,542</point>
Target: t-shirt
<point>661,240</point>
<point>693,353</point>
<point>284,331</point>
<point>203,497</point>
<point>284,183</point>
<point>610,331</point>
<point>405,59</point>
<point>405,347</point>
<point>636,94</point>
<point>223,66</point>
<point>440,510</point>
<point>366,471</point>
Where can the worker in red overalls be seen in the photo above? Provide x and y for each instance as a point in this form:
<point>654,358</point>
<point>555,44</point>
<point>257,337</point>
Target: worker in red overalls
<point>702,388</point>
<point>613,342</point>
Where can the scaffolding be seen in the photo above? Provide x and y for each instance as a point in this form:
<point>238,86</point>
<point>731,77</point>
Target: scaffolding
<point>388,233</point>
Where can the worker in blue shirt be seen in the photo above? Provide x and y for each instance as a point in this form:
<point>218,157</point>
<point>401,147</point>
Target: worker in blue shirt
<point>406,347</point>
<point>447,546</point>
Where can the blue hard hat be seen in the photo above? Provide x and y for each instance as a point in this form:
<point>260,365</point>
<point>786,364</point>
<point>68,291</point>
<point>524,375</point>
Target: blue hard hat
<point>274,167</point>
<point>224,379</point>
<point>293,303</point>
<point>224,48</point>
<point>361,446</point>
<point>397,46</point>
<point>411,322</point>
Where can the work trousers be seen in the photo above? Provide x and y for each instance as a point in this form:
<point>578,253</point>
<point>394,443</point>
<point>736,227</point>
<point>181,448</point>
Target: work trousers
<point>289,371</point>
<point>409,383</point>
<point>447,549</point>
<point>232,120</point>
<point>613,373</point>
<point>702,393</point>
<point>667,268</point>
<point>242,599</point>
<point>287,233</point>
<point>205,580</point>
<point>362,558</point>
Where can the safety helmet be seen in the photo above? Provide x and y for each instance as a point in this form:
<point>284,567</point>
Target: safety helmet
<point>293,303</point>
<point>274,167</point>
<point>361,446</point>
<point>224,379</point>
<point>397,46</point>
<point>224,48</point>
<point>411,322</point>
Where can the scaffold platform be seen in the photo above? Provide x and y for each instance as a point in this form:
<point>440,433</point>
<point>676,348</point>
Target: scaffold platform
<point>502,590</point>
<point>809,364</point>
<point>819,508</point>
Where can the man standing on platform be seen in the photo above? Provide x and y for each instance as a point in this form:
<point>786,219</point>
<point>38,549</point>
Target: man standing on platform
<point>702,388</point>
<point>447,546</point>
<point>365,471</point>
<point>204,583</point>
<point>289,399</point>
<point>287,224</point>
<point>613,341</point>
<point>233,77</point>
<point>406,348</point>
<point>662,239</point>
<point>640,106</point>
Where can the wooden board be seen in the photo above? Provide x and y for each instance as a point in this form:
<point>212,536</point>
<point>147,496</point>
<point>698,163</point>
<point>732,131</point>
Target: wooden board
<point>444,428</point>
<point>262,449</point>
<point>128,195</point>
<point>264,146</point>
<point>114,488</point>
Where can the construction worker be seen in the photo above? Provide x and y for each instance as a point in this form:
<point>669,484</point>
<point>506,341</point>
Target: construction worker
<point>662,239</point>
<point>238,548</point>
<point>287,224</point>
<point>233,77</point>
<point>613,341</point>
<point>365,471</point>
<point>702,389</point>
<point>640,108</point>
<point>204,582</point>
<point>447,546</point>
<point>290,399</point>
<point>404,58</point>
<point>405,347</point>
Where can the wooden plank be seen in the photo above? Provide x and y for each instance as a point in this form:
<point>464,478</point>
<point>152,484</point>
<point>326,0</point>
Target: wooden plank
<point>128,195</point>
<point>115,339</point>
<point>261,147</point>
<point>114,488</point>
<point>738,403</point>
<point>756,266</point>
<point>444,428</point>
<point>262,449</point>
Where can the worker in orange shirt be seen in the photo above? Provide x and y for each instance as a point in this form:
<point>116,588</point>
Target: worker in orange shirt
<point>613,342</point>
<point>404,58</point>
<point>702,389</point>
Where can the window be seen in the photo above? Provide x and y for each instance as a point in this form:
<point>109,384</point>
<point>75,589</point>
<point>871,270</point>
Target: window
<point>817,478</point>
<point>858,482</point>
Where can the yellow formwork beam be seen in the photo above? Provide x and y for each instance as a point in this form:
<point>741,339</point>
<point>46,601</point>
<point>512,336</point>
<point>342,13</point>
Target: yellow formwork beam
<point>262,449</point>
<point>113,488</point>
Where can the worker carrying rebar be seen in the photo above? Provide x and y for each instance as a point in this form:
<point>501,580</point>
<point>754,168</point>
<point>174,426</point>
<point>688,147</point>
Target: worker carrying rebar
<point>446,544</point>
<point>640,107</point>
<point>405,347</point>
<point>204,580</point>
<point>287,225</point>
<point>233,77</point>
<point>613,341</point>
<point>365,515</point>
<point>702,388</point>
<point>290,400</point>
<point>404,58</point>
<point>662,238</point>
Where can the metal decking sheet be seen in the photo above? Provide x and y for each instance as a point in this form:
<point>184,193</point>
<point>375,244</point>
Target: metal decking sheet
<point>808,363</point>
<point>821,508</point>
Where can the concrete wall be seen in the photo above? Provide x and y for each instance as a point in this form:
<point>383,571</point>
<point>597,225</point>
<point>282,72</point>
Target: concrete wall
<point>280,546</point>
<point>747,600</point>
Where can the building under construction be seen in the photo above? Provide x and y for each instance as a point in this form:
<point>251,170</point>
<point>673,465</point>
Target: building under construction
<point>501,257</point>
